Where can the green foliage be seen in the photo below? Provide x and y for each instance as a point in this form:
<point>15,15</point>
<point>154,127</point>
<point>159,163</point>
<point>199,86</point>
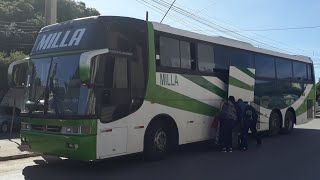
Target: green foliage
<point>21,20</point>
<point>13,56</point>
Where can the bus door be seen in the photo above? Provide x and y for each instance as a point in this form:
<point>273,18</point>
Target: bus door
<point>241,83</point>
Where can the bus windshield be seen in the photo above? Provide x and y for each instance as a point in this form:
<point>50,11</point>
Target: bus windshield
<point>54,88</point>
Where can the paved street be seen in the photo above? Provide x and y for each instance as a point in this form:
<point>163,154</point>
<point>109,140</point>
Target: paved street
<point>293,157</point>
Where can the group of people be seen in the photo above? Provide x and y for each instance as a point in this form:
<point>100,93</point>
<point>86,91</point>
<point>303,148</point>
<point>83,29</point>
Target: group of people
<point>236,114</point>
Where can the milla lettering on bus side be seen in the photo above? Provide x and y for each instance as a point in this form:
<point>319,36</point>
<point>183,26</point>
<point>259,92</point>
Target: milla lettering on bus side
<point>169,80</point>
<point>59,39</point>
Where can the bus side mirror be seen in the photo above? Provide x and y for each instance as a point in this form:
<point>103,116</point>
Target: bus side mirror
<point>17,73</point>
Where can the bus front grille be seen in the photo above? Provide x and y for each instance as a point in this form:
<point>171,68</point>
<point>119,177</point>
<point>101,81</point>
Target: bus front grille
<point>45,128</point>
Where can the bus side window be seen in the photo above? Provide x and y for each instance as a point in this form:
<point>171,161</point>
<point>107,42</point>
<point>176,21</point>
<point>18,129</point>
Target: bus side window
<point>284,69</point>
<point>241,58</point>
<point>310,72</point>
<point>170,52</point>
<point>205,55</point>
<point>300,71</point>
<point>185,55</point>
<point>193,56</point>
<point>157,49</point>
<point>221,59</point>
<point>265,66</point>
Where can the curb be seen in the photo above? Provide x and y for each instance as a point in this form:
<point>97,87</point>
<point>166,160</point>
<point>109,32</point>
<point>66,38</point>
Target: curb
<point>20,156</point>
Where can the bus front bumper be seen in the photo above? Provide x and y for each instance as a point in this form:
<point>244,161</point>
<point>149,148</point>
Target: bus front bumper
<point>69,146</point>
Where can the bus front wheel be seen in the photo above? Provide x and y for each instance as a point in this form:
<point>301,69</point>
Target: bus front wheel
<point>274,124</point>
<point>156,141</point>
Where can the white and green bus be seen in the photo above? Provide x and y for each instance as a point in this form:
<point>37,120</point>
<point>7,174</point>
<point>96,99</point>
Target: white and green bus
<point>102,87</point>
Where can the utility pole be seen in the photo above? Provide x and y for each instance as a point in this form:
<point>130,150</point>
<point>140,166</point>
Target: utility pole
<point>51,11</point>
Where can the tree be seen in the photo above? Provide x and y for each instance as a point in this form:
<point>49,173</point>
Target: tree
<point>21,20</point>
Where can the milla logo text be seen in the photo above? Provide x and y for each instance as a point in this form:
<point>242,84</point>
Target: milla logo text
<point>59,39</point>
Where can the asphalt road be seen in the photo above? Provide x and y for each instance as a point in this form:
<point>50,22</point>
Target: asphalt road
<point>285,157</point>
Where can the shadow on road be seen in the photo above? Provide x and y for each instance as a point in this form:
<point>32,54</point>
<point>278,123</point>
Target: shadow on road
<point>293,157</point>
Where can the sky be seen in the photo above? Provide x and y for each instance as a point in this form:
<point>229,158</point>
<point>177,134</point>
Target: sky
<point>235,19</point>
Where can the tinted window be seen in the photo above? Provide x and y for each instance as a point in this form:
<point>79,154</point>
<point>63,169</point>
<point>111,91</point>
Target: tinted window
<point>169,52</point>
<point>185,55</point>
<point>221,57</point>
<point>264,93</point>
<point>299,70</point>
<point>310,72</point>
<point>284,69</point>
<point>241,58</point>
<point>205,58</point>
<point>265,66</point>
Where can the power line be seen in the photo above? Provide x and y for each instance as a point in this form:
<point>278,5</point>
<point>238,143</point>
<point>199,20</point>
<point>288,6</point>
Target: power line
<point>161,11</point>
<point>265,37</point>
<point>284,29</point>
<point>207,7</point>
<point>168,11</point>
<point>199,11</point>
<point>212,25</point>
<point>232,33</point>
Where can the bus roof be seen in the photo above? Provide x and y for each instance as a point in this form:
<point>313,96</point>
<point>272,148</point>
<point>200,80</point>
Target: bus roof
<point>227,42</point>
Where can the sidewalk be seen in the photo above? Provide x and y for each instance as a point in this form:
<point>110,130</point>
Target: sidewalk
<point>9,150</point>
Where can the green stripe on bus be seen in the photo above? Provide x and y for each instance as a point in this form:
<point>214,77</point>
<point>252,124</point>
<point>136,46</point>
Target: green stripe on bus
<point>246,71</point>
<point>176,100</point>
<point>303,107</point>
<point>237,83</point>
<point>152,65</point>
<point>201,81</point>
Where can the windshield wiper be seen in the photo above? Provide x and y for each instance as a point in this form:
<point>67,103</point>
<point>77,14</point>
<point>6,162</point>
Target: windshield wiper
<point>37,101</point>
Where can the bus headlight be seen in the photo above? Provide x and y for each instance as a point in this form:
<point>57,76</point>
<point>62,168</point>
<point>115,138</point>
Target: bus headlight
<point>25,126</point>
<point>75,130</point>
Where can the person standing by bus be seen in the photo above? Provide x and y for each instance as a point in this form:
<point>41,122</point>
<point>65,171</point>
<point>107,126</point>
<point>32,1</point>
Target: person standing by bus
<point>228,117</point>
<point>249,122</point>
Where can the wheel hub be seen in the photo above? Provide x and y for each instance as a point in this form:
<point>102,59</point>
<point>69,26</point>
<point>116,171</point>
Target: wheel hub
<point>160,140</point>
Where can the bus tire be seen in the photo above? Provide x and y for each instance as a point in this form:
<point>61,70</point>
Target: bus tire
<point>156,143</point>
<point>288,123</point>
<point>274,124</point>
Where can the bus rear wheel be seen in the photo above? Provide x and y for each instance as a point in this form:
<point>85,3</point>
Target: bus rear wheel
<point>274,124</point>
<point>288,123</point>
<point>156,143</point>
